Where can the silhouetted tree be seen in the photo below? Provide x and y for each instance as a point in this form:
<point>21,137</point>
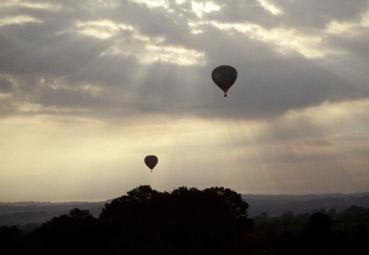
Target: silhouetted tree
<point>181,221</point>
<point>12,240</point>
<point>67,234</point>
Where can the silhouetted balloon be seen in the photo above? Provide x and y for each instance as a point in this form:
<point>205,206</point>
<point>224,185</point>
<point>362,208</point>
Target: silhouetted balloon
<point>224,77</point>
<point>151,161</point>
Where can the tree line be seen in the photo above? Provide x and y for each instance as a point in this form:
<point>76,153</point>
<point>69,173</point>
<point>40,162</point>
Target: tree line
<point>191,221</point>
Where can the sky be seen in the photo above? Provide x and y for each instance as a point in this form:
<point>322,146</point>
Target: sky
<point>89,88</point>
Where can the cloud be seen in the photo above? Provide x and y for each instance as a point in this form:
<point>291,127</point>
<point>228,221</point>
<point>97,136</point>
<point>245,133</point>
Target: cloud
<point>270,7</point>
<point>18,20</point>
<point>35,5</point>
<point>284,39</point>
<point>203,7</point>
<point>316,14</point>
<point>5,85</point>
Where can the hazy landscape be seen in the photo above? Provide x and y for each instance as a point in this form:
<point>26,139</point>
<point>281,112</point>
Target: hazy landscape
<point>33,213</point>
<point>191,221</point>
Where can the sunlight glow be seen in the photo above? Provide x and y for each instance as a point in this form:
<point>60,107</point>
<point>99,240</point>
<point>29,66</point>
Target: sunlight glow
<point>148,50</point>
<point>102,29</point>
<point>109,3</point>
<point>285,39</point>
<point>153,3</point>
<point>89,89</point>
<point>203,7</point>
<point>174,55</point>
<point>270,7</point>
<point>365,20</point>
<point>329,113</point>
<point>4,95</point>
<point>350,28</point>
<point>149,53</point>
<point>244,154</point>
<point>338,28</point>
<point>130,42</point>
<point>30,5</point>
<point>18,20</point>
<point>92,152</point>
<point>38,109</point>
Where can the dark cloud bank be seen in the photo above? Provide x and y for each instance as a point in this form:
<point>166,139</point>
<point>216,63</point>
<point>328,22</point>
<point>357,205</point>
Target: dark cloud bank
<point>57,60</point>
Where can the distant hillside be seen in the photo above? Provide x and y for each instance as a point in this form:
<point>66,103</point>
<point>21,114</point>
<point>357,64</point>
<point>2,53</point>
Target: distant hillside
<point>273,205</point>
<point>36,213</point>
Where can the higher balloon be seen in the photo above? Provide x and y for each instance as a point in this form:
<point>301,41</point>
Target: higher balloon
<point>224,77</point>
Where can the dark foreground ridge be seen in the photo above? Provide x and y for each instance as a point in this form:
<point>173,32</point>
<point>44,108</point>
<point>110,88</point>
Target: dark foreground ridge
<point>191,221</point>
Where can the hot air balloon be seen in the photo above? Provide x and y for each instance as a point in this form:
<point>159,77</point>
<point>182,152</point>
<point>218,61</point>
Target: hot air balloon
<point>224,77</point>
<point>151,161</point>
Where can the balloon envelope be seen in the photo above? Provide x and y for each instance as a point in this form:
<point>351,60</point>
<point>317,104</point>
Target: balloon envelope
<point>224,77</point>
<point>151,161</point>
